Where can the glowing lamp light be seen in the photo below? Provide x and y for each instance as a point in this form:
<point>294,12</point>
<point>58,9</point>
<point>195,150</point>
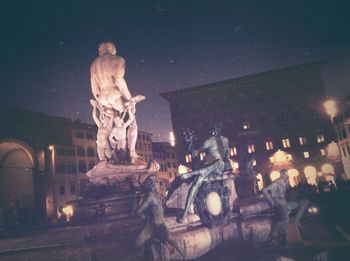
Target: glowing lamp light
<point>68,211</point>
<point>51,147</point>
<point>333,152</point>
<point>281,159</point>
<point>330,107</point>
<point>313,210</point>
<point>213,203</point>
<point>183,169</point>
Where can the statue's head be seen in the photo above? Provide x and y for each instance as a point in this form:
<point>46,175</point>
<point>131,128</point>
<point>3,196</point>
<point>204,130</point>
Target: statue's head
<point>218,127</point>
<point>106,48</point>
<point>284,172</point>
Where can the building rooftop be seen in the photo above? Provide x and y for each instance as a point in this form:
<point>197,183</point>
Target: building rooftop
<point>247,78</point>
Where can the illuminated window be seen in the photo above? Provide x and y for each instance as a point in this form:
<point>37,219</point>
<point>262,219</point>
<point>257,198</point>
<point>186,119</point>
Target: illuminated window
<point>302,140</point>
<point>274,175</point>
<point>233,151</point>
<point>201,155</point>
<point>320,138</point>
<point>269,145</point>
<point>260,181</point>
<point>286,143</point>
<point>306,155</point>
<point>251,148</point>
<point>188,158</point>
<point>323,152</point>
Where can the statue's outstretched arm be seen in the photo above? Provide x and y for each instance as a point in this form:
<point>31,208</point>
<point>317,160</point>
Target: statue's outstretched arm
<point>130,120</point>
<point>95,87</point>
<point>94,113</point>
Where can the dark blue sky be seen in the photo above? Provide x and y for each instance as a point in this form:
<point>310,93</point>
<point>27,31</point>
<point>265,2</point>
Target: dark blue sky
<point>47,48</point>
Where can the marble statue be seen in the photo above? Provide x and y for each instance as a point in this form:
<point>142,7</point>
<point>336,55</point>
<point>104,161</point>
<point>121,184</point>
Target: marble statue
<point>112,94</point>
<point>216,150</point>
<point>275,193</point>
<point>155,229</point>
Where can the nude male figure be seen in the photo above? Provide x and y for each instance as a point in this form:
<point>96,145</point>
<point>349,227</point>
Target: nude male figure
<point>110,89</point>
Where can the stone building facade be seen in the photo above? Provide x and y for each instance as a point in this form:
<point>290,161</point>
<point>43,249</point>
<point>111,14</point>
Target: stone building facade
<point>277,116</point>
<point>44,160</point>
<point>165,155</point>
<point>342,126</point>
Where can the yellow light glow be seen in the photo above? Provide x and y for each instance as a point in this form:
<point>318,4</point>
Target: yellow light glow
<point>311,175</point>
<point>274,175</point>
<point>172,139</point>
<point>213,203</point>
<point>281,159</point>
<point>331,107</point>
<point>333,152</point>
<point>327,168</point>
<point>293,177</point>
<point>68,211</point>
<point>183,169</point>
<point>260,181</point>
<point>51,147</point>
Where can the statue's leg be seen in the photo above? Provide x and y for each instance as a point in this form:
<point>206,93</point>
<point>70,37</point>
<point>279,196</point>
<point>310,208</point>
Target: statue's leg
<point>144,236</point>
<point>101,152</point>
<point>132,137</point>
<point>108,151</point>
<point>191,195</point>
<point>279,228</point>
<point>217,166</point>
<point>303,205</point>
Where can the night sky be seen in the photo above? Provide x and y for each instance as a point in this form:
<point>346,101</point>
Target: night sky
<point>47,48</point>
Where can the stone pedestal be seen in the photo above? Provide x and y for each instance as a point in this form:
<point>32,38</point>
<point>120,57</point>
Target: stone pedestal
<point>114,191</point>
<point>245,187</point>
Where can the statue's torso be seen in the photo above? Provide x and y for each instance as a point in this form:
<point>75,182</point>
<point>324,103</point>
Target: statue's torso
<point>108,72</point>
<point>107,69</point>
<point>216,148</point>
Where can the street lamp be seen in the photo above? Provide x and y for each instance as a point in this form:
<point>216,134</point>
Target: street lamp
<point>331,108</point>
